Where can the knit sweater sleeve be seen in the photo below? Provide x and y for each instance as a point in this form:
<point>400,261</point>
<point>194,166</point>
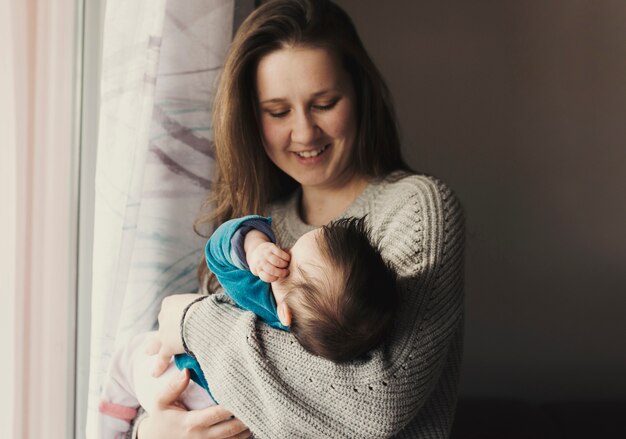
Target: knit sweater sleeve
<point>279,390</point>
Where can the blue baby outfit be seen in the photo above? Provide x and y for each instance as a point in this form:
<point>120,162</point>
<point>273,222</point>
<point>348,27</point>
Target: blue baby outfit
<point>225,256</point>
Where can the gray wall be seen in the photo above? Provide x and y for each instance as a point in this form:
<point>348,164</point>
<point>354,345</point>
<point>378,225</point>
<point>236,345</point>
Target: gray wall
<point>521,107</point>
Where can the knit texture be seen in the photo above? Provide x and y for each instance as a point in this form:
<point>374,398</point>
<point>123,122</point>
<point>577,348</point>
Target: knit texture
<point>405,389</point>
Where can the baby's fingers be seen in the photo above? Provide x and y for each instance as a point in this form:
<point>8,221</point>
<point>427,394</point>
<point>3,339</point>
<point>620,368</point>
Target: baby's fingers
<point>266,277</point>
<point>277,261</point>
<point>281,254</point>
<point>273,270</point>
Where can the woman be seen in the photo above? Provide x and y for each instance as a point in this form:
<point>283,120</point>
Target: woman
<point>305,133</point>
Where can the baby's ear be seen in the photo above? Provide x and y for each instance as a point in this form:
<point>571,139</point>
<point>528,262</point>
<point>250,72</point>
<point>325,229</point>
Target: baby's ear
<point>284,314</point>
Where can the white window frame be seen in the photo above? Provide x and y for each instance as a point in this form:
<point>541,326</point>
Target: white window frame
<point>89,62</point>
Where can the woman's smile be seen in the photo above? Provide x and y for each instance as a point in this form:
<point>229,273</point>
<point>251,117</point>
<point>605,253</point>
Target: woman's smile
<point>312,153</point>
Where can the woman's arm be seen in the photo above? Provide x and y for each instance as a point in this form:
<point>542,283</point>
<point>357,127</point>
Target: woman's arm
<point>280,390</point>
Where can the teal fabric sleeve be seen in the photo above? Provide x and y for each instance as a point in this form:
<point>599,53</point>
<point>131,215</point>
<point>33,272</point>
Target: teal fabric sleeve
<point>245,289</point>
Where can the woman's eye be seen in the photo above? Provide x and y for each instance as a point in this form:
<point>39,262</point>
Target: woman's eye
<point>278,114</point>
<point>324,107</point>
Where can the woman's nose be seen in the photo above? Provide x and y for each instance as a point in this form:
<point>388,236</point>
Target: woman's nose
<point>304,130</point>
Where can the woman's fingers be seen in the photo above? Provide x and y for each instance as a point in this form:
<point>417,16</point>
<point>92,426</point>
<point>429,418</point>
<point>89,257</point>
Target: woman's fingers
<point>243,435</point>
<point>160,365</point>
<point>233,428</point>
<point>209,416</point>
<point>216,423</point>
<point>162,361</point>
<point>171,393</point>
<point>153,345</point>
<point>169,419</point>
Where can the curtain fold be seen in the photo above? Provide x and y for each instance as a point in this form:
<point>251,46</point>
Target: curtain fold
<point>154,165</point>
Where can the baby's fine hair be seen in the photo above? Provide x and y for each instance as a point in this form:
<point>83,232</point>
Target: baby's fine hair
<point>350,310</point>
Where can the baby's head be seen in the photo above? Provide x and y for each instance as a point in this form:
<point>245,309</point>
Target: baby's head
<point>340,296</point>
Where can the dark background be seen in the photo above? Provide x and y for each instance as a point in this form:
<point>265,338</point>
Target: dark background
<point>520,106</point>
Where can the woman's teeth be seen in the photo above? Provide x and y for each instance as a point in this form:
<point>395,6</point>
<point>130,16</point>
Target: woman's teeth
<point>309,154</point>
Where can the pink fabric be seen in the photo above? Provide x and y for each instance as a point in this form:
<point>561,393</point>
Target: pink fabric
<point>117,411</point>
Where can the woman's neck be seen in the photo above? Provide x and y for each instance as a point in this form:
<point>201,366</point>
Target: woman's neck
<point>321,205</point>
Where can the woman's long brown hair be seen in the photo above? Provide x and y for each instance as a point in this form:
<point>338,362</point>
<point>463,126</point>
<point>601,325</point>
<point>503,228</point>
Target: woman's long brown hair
<point>247,181</point>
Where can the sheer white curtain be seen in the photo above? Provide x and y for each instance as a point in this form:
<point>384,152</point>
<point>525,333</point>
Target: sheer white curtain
<point>38,212</point>
<point>154,164</point>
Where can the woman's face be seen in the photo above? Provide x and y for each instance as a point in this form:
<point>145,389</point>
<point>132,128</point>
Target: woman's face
<point>307,113</point>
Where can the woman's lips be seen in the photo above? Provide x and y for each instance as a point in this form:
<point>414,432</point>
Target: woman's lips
<point>312,156</point>
<point>312,152</point>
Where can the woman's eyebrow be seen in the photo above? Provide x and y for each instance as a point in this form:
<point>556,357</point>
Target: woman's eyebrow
<point>324,92</point>
<point>314,95</point>
<point>273,100</point>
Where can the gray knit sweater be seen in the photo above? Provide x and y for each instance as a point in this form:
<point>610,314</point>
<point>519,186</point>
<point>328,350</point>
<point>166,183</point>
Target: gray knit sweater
<point>406,389</point>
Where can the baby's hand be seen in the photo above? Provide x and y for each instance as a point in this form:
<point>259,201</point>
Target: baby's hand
<point>269,262</point>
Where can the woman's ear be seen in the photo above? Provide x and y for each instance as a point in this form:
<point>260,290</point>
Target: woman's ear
<point>284,314</point>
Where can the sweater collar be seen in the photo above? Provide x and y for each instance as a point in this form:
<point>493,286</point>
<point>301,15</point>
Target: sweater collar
<point>296,227</point>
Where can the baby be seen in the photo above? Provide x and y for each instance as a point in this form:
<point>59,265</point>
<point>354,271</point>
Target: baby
<point>326,290</point>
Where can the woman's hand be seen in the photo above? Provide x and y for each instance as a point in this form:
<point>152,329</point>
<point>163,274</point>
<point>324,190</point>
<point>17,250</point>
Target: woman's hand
<point>167,341</point>
<point>169,419</point>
